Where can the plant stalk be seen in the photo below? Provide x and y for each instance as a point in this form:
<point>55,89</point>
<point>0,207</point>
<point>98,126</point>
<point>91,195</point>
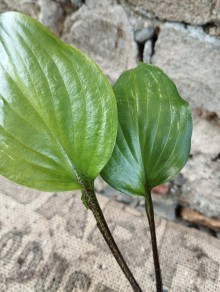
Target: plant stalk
<point>92,203</point>
<point>150,215</point>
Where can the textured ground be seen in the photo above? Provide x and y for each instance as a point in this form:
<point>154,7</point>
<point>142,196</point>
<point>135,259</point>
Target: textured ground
<point>49,242</point>
<point>183,39</point>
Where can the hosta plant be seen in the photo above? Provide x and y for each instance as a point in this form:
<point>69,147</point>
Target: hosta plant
<point>58,123</point>
<point>58,116</point>
<point>153,140</point>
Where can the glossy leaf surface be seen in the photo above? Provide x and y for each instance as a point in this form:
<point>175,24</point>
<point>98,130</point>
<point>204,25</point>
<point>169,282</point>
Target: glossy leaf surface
<point>154,132</point>
<point>58,117</point>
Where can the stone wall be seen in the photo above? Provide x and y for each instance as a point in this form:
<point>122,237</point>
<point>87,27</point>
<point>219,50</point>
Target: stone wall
<point>183,39</point>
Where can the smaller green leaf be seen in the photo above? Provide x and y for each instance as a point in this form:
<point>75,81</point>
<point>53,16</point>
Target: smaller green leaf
<point>154,132</point>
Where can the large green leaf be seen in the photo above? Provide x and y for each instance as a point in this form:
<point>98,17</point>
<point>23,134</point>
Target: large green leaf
<point>154,131</point>
<point>58,116</point>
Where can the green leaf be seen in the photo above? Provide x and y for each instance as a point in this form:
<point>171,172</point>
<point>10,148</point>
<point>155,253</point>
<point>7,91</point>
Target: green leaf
<point>58,116</point>
<point>154,132</point>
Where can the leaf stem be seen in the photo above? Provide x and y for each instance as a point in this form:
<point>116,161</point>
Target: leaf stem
<point>92,203</point>
<point>150,215</point>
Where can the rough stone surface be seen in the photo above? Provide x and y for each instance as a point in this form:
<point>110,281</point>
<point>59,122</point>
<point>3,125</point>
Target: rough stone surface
<point>51,15</point>
<point>192,59</point>
<point>100,3</point>
<point>3,6</point>
<point>148,51</point>
<point>194,12</point>
<point>213,30</point>
<point>72,2</point>
<point>202,188</point>
<point>25,6</point>
<point>216,11</point>
<point>144,34</point>
<point>137,20</point>
<point>206,133</point>
<point>201,191</point>
<point>104,34</point>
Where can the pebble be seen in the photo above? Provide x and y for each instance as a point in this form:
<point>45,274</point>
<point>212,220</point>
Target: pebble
<point>142,35</point>
<point>148,51</point>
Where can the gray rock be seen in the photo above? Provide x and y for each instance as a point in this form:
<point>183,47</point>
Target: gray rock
<point>165,206</point>
<point>179,180</point>
<point>201,190</point>
<point>194,12</point>
<point>206,135</point>
<point>213,30</point>
<point>51,15</point>
<point>69,6</point>
<point>100,3</point>
<point>126,199</point>
<point>3,6</point>
<point>100,185</point>
<point>104,34</point>
<point>144,34</point>
<point>192,59</point>
<point>148,51</point>
<point>25,6</point>
<point>71,2</point>
<point>216,10</point>
<point>137,20</point>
